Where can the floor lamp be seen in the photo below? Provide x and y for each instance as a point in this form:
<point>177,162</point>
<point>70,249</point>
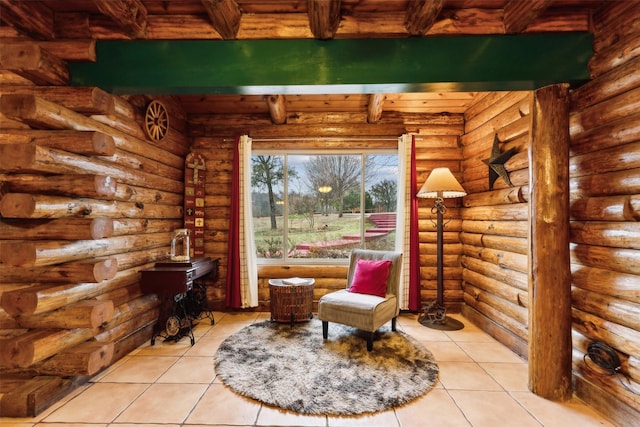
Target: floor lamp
<point>439,185</point>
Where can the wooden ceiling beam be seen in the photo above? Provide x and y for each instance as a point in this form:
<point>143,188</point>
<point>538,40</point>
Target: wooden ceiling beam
<point>225,17</point>
<point>421,15</point>
<point>277,109</point>
<point>130,15</point>
<point>374,109</point>
<point>33,19</point>
<point>518,15</point>
<point>324,18</point>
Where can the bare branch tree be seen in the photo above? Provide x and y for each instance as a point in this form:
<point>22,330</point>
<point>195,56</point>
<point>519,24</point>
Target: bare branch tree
<point>340,172</point>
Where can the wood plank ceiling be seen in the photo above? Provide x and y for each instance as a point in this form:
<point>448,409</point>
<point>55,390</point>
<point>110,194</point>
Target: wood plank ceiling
<point>84,21</point>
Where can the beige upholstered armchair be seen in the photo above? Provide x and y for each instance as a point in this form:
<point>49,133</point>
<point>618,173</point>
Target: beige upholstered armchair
<point>371,297</point>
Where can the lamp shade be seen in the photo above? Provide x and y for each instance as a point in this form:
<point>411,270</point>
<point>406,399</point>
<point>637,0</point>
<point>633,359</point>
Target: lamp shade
<point>441,183</point>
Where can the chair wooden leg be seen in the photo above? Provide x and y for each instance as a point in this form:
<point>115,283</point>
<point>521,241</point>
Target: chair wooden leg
<point>325,329</point>
<point>370,341</point>
<point>393,324</point>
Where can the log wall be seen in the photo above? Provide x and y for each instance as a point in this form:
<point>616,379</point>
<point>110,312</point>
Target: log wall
<point>87,201</point>
<point>437,144</point>
<point>605,213</point>
<point>495,222</point>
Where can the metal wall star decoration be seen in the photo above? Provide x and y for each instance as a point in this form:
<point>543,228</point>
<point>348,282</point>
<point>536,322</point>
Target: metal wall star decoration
<point>496,163</point>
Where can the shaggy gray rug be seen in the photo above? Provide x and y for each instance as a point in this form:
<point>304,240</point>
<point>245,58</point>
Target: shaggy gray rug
<point>293,368</point>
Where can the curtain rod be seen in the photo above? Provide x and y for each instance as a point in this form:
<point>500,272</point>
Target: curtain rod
<point>317,139</point>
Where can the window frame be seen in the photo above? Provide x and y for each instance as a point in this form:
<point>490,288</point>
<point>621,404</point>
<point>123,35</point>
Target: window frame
<point>286,152</point>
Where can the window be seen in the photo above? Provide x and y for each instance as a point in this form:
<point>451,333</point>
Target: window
<point>316,205</point>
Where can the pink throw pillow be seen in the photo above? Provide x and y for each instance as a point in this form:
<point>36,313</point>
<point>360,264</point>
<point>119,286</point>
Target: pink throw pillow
<point>370,277</point>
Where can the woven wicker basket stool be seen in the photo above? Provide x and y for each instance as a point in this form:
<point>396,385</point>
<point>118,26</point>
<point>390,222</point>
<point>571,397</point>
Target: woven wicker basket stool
<point>291,302</point>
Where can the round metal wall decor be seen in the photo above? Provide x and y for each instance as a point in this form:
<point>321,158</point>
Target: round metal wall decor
<point>156,121</point>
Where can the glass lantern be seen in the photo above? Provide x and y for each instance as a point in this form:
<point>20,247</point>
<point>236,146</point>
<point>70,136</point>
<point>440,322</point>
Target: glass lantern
<point>180,245</point>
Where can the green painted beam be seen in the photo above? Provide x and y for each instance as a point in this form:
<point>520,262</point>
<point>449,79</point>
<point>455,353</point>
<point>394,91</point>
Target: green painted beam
<point>463,63</point>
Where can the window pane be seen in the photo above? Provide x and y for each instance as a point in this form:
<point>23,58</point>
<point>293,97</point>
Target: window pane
<point>267,180</point>
<point>381,196</point>
<point>332,230</point>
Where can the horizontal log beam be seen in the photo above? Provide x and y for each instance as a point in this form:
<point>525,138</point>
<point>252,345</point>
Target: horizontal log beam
<point>612,234</point>
<point>516,311</point>
<point>284,271</point>
<point>507,228</point>
<point>514,212</point>
<point>91,271</point>
<point>608,282</point>
<point>84,314</point>
<point>607,111</point>
<point>130,316</point>
<point>34,63</point>
<point>307,131</point>
<point>42,253</point>
<point>509,339</point>
<point>616,310</point>
<point>613,159</point>
<point>94,186</point>
<point>56,229</point>
<point>618,80</point>
<point>518,245</point>
<point>497,197</point>
<point>508,323</point>
<point>510,277</point>
<point>124,226</point>
<point>623,49</point>
<point>137,194</point>
<point>32,158</point>
<point>85,143</point>
<point>72,50</point>
<point>25,205</point>
<point>85,359</point>
<point>35,346</point>
<point>607,208</point>
<point>141,257</point>
<point>609,134</point>
<point>30,397</point>
<point>617,259</point>
<point>623,338</point>
<point>500,258</point>
<point>86,100</point>
<point>122,295</point>
<point>34,300</point>
<point>496,287</point>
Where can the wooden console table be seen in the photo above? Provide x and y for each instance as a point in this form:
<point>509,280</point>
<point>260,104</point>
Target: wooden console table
<point>181,286</point>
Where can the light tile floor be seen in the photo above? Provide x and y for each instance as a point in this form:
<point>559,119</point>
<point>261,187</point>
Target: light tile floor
<point>481,384</point>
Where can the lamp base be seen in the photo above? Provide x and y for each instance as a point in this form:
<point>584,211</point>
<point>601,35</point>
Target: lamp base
<point>446,324</point>
<point>435,316</point>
